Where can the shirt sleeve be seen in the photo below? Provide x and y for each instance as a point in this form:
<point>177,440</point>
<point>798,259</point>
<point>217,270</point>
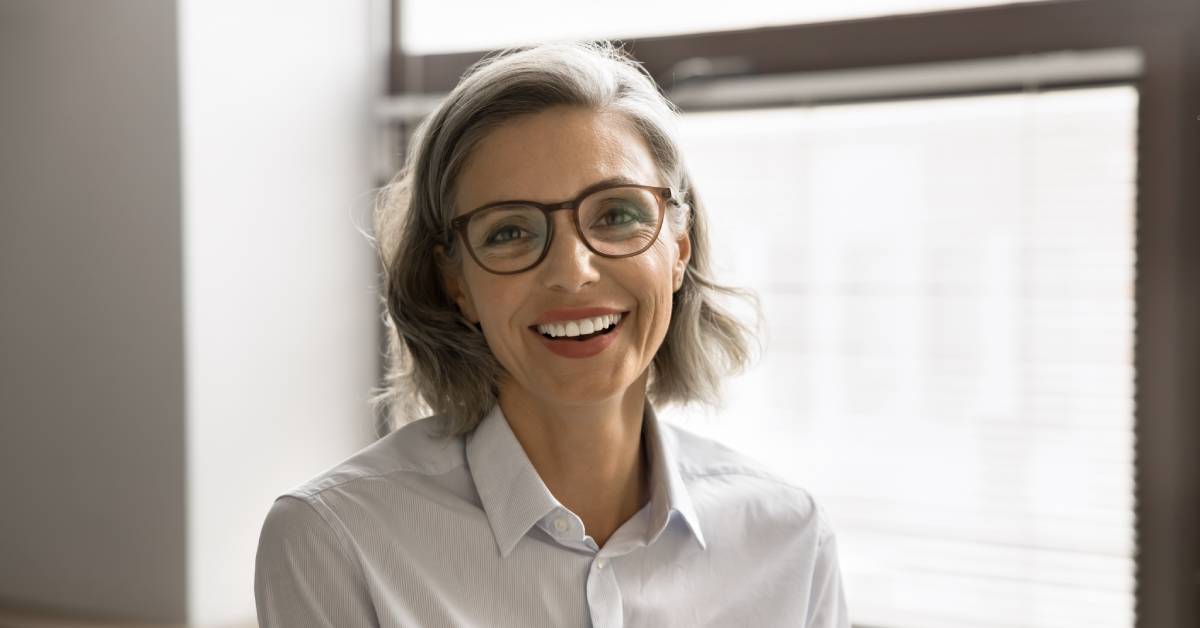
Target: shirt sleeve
<point>303,575</point>
<point>827,600</point>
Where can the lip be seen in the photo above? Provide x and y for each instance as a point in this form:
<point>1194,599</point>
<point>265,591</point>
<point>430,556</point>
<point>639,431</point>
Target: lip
<point>568,348</point>
<point>574,314</point>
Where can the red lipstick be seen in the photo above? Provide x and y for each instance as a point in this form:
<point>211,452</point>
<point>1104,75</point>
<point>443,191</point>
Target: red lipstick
<point>572,348</point>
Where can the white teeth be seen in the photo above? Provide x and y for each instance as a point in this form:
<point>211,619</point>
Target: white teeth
<point>584,326</point>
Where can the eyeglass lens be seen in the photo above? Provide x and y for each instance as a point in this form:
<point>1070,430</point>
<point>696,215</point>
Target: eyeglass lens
<point>616,221</point>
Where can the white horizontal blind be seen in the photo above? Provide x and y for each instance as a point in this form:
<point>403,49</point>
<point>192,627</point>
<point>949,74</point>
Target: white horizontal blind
<point>948,365</point>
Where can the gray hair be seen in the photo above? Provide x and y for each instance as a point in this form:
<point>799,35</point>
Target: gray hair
<point>440,361</point>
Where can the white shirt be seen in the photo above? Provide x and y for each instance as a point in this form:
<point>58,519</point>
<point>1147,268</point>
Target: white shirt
<point>417,530</point>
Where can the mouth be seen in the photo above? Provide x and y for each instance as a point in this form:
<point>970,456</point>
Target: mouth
<point>580,330</point>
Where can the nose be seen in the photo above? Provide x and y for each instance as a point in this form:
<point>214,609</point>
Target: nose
<point>569,265</point>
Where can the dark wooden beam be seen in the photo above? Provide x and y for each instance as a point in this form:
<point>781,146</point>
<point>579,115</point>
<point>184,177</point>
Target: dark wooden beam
<point>875,42</point>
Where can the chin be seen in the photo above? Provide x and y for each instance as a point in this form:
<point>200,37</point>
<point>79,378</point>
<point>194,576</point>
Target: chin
<point>581,395</point>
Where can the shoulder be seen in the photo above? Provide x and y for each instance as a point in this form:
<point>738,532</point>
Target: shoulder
<point>417,449</point>
<point>724,480</point>
<point>699,456</point>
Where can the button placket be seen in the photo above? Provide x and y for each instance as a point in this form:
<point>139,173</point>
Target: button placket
<point>604,596</point>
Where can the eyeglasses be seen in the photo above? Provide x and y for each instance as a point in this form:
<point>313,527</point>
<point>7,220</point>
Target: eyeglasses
<point>613,220</point>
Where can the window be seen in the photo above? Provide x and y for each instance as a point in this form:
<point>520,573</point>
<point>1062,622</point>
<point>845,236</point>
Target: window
<point>1028,285</point>
<point>436,26</point>
<point>948,366</point>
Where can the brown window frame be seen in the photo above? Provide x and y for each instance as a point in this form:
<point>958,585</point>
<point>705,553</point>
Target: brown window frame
<point>1167,288</point>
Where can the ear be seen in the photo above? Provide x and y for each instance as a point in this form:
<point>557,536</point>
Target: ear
<point>455,286</point>
<point>684,248</point>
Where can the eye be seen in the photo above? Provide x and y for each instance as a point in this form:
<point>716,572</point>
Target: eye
<point>507,233</point>
<point>617,216</point>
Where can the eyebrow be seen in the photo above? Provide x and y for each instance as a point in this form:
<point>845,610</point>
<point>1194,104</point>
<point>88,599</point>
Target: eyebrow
<point>617,180</point>
<point>614,180</point>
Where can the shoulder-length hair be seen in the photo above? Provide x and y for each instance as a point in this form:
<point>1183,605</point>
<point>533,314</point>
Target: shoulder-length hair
<point>437,359</point>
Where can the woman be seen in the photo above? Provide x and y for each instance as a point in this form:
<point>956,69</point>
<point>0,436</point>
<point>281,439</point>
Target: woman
<point>547,277</point>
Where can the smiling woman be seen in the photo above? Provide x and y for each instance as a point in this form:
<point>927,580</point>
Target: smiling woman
<point>547,285</point>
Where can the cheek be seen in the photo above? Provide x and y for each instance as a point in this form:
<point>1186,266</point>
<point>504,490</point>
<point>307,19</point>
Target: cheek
<point>658,264</point>
<point>654,285</point>
<point>482,294</point>
<point>496,303</point>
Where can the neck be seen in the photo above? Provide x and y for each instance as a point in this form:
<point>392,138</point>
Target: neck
<point>590,456</point>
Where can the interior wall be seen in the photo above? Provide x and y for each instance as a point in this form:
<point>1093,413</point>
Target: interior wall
<point>188,315</point>
<point>281,309</point>
<point>91,338</point>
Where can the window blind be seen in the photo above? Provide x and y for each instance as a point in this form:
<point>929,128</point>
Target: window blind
<point>948,352</point>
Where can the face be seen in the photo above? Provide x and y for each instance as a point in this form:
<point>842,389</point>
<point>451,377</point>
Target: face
<point>550,157</point>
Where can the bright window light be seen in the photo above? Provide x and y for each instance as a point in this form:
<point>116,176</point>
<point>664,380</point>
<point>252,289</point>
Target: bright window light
<point>437,26</point>
<point>948,288</point>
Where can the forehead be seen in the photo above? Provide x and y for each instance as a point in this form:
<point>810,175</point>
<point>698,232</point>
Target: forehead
<point>551,156</point>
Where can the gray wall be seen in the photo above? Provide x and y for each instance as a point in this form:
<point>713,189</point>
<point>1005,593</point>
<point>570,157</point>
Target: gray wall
<point>92,503</point>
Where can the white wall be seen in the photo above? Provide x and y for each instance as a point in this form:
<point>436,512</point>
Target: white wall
<point>279,304</point>
<point>187,310</point>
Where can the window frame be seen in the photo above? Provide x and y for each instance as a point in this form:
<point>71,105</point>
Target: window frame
<point>1167,286</point>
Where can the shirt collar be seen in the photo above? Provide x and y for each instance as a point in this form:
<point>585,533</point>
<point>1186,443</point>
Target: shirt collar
<point>668,493</point>
<point>514,497</point>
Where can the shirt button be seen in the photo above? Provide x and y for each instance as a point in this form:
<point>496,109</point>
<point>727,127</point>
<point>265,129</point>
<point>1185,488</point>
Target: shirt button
<point>600,563</point>
<point>561,524</point>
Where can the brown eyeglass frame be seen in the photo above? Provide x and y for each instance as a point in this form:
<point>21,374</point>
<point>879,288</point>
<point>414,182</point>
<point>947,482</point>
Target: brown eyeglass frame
<point>664,196</point>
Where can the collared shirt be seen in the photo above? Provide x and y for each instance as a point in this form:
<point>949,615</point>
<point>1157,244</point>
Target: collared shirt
<point>417,530</point>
